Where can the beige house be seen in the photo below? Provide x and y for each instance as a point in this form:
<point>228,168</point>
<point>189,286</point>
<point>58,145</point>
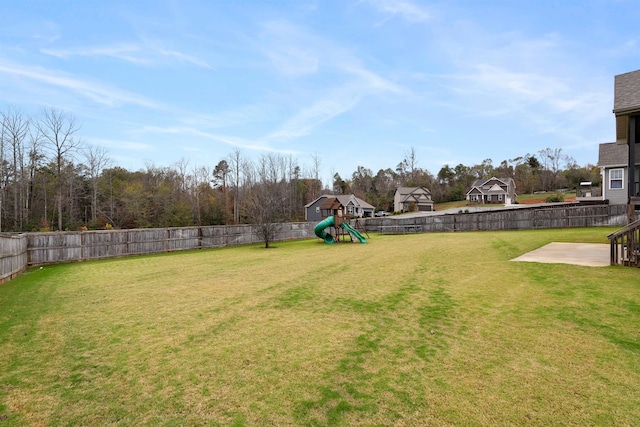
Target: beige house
<point>410,199</point>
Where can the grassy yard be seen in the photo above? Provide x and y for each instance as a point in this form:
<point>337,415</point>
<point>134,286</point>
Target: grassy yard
<point>430,329</point>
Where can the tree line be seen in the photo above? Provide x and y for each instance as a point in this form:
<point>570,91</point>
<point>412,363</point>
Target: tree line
<point>51,180</point>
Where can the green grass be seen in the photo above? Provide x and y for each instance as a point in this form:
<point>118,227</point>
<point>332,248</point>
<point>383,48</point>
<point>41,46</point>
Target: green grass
<point>431,329</point>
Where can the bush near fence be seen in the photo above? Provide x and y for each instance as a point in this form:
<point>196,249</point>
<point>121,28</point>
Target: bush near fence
<point>19,251</point>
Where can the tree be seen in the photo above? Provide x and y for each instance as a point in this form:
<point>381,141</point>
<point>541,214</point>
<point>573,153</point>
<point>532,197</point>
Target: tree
<point>266,202</point>
<point>58,130</point>
<point>340,186</point>
<point>361,182</point>
<point>220,177</point>
<point>96,160</point>
<point>15,129</point>
<point>237,167</point>
<point>316,187</point>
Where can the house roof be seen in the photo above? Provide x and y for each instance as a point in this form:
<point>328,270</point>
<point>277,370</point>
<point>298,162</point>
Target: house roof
<point>418,195</point>
<point>495,188</point>
<point>626,97</point>
<point>612,154</point>
<point>343,199</point>
<point>412,190</point>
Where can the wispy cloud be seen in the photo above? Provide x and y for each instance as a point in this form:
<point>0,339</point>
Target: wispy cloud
<point>125,51</point>
<point>297,52</point>
<point>319,112</point>
<point>148,53</point>
<point>97,92</point>
<point>404,9</point>
<point>254,113</point>
<point>121,144</point>
<point>291,50</point>
<point>232,141</point>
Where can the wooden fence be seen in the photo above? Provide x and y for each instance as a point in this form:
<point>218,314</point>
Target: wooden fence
<point>13,255</point>
<point>44,248</point>
<point>18,251</point>
<point>559,216</point>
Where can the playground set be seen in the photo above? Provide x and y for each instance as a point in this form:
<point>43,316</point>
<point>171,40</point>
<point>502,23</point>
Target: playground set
<point>337,222</point>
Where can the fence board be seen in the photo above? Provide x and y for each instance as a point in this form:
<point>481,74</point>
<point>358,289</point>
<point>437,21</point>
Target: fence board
<point>13,255</point>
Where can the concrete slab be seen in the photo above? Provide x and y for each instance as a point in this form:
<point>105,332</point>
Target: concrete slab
<point>586,254</point>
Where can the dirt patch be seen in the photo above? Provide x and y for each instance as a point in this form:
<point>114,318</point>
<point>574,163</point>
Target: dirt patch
<point>543,200</point>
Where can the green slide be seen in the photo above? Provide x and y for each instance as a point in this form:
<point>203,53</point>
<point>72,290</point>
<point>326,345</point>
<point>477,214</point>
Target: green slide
<point>319,230</point>
<point>355,233</point>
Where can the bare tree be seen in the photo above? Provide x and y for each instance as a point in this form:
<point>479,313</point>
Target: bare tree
<point>411,162</point>
<point>200,177</point>
<point>58,130</point>
<point>236,168</point>
<point>3,141</point>
<point>35,158</point>
<point>317,185</point>
<point>266,203</point>
<point>97,160</point>
<point>15,127</point>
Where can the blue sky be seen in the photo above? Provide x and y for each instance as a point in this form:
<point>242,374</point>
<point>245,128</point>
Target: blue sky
<point>357,82</point>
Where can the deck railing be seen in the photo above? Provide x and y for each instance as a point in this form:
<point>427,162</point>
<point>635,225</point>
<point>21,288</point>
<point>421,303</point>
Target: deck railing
<point>625,245</point>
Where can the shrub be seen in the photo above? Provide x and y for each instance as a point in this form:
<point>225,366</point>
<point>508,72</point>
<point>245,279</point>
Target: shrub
<point>554,198</point>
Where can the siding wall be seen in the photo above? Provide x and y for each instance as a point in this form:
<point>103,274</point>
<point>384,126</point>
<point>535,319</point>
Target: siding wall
<point>616,196</point>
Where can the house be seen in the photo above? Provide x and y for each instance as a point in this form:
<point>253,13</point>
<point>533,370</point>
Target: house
<point>324,205</point>
<point>613,160</point>
<point>626,107</point>
<point>409,199</point>
<point>493,191</point>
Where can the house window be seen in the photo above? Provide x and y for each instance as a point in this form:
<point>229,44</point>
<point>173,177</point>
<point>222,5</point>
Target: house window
<point>500,197</point>
<point>473,197</point>
<point>616,179</point>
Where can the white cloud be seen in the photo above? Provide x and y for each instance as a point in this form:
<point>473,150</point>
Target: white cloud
<point>148,53</point>
<point>125,51</point>
<point>320,111</point>
<point>402,8</point>
<point>233,141</point>
<point>291,50</point>
<point>121,144</point>
<point>229,118</point>
<point>97,92</point>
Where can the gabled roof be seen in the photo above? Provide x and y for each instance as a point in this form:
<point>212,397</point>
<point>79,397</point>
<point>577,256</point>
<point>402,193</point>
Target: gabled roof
<point>331,203</point>
<point>495,188</point>
<point>414,194</point>
<point>611,154</point>
<point>342,199</point>
<point>626,97</point>
<point>347,199</point>
<point>412,190</point>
